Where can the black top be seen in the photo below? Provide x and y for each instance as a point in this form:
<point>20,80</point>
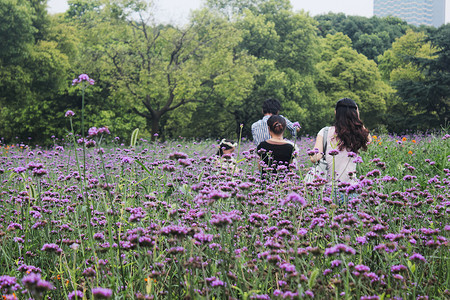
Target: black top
<point>275,155</point>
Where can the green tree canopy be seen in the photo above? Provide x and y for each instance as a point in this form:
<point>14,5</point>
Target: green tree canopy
<point>343,72</point>
<point>369,36</point>
<point>286,44</point>
<point>158,69</point>
<point>33,72</point>
<point>16,30</point>
<point>430,93</point>
<point>396,66</point>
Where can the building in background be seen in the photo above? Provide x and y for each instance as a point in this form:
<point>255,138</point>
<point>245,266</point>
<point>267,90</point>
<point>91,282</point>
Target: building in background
<point>415,12</point>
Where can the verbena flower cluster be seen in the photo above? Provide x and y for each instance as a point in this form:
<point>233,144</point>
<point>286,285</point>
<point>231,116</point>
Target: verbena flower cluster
<point>81,78</point>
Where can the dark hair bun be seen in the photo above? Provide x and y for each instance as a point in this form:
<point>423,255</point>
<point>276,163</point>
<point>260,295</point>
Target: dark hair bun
<point>276,124</point>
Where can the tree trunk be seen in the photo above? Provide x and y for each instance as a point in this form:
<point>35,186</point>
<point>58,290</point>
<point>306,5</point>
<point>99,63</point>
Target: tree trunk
<point>156,117</point>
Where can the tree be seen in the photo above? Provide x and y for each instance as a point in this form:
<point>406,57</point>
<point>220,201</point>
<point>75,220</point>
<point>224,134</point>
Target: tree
<point>286,44</point>
<point>430,92</point>
<point>395,66</point>
<point>369,36</point>
<point>233,8</point>
<point>345,73</point>
<point>16,30</point>
<point>33,72</point>
<point>159,69</point>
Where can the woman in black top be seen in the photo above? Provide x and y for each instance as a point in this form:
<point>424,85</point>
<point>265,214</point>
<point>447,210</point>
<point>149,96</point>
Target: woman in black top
<point>276,153</point>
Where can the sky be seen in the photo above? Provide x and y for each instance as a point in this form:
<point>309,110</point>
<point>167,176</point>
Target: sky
<point>177,11</point>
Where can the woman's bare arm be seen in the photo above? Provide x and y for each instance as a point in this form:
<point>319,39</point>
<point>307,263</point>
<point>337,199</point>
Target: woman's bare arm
<point>319,146</point>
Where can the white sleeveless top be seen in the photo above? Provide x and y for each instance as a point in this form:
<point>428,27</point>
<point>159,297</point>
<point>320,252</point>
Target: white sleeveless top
<point>344,167</point>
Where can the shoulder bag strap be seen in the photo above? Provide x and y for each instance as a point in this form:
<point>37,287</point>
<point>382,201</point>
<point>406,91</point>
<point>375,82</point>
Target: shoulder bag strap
<point>325,141</point>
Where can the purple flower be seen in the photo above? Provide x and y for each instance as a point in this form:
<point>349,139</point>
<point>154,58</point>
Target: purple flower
<point>81,78</point>
<point>409,177</point>
<point>373,173</point>
<point>326,272</point>
<point>218,282</point>
<point>351,154</point>
<point>69,114</point>
<point>361,240</point>
<point>177,155</point>
<point>89,272</point>
<point>362,268</point>
<point>312,152</point>
<point>333,152</point>
<point>39,172</point>
<point>93,131</point>
<point>309,293</point>
<point>296,124</point>
<point>302,231</point>
<point>398,276</point>
<point>7,282</point>
<point>289,295</point>
<point>90,144</point>
<point>398,268</point>
<point>14,226</point>
<point>417,257</point>
<point>216,195</point>
<point>338,249</point>
<point>336,263</point>
<point>202,237</point>
<point>260,297</point>
<point>104,130</point>
<point>127,160</point>
<point>358,160</point>
<point>220,220</point>
<point>288,267</point>
<point>294,198</point>
<point>19,170</point>
<point>75,294</point>
<point>174,230</point>
<point>35,284</point>
<point>51,248</point>
<point>101,293</point>
<point>29,269</point>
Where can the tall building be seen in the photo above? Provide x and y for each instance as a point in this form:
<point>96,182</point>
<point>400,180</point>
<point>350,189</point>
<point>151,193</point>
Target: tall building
<point>415,12</point>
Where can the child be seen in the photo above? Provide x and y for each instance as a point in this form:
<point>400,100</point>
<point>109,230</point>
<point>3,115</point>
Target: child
<point>224,159</point>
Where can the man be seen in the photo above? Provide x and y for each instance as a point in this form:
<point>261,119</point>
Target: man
<point>260,130</point>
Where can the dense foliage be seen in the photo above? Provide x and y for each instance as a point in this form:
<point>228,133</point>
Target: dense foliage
<point>207,77</point>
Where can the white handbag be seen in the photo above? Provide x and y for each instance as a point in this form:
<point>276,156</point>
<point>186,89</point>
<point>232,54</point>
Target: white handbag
<point>320,168</point>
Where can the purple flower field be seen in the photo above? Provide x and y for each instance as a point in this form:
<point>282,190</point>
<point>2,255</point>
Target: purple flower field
<point>162,221</point>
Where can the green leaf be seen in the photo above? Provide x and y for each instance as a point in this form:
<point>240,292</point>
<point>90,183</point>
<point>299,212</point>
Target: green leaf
<point>143,167</point>
<point>312,279</point>
<point>411,266</point>
<point>134,136</point>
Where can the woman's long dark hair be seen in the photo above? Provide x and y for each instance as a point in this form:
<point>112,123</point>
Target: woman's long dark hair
<point>350,129</point>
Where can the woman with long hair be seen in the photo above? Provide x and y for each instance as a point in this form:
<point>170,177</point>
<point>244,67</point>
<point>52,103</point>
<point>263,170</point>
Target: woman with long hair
<point>276,153</point>
<point>344,141</point>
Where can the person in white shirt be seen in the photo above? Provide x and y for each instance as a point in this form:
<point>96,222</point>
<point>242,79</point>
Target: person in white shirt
<point>260,130</point>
